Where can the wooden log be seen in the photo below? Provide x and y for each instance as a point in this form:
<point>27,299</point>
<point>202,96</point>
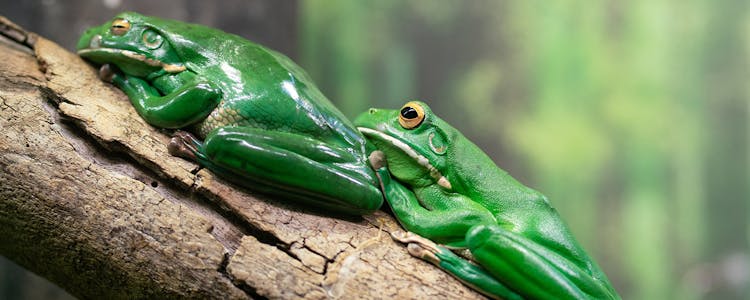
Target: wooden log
<point>91,200</point>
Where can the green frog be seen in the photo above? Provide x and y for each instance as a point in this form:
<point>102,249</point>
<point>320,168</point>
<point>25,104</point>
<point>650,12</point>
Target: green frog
<point>451,195</point>
<point>244,111</point>
<point>252,115</point>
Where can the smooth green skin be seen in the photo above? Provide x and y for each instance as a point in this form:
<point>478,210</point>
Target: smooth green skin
<point>510,229</point>
<point>263,120</point>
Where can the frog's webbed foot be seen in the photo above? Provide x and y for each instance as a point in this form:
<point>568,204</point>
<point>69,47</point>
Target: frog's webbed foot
<point>183,144</point>
<point>418,246</point>
<point>467,272</point>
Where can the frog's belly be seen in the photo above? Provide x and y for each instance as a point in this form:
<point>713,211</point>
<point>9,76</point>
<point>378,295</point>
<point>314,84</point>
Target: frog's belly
<point>220,117</point>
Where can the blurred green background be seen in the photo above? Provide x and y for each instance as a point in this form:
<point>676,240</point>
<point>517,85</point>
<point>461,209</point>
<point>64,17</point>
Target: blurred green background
<point>631,116</point>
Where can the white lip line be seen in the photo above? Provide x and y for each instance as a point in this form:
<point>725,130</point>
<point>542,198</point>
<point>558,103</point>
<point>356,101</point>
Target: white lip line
<point>140,57</point>
<point>421,160</point>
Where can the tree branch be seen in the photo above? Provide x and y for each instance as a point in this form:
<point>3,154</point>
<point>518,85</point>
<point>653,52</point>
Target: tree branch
<point>90,199</point>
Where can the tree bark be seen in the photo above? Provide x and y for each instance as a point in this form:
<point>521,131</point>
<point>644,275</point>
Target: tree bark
<point>91,200</point>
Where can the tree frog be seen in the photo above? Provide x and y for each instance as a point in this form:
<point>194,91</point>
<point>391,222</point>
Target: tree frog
<point>255,116</point>
<point>445,190</point>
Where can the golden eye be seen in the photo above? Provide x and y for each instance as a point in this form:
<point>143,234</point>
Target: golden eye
<point>119,26</point>
<point>412,114</point>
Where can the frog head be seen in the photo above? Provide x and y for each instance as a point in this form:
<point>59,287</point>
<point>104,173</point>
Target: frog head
<point>419,146</point>
<point>136,44</point>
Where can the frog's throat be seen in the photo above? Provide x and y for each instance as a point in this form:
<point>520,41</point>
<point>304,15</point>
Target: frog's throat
<point>420,159</point>
<point>169,68</point>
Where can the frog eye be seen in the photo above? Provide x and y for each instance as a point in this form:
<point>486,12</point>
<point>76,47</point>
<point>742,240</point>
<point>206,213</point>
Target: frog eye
<point>151,39</point>
<point>411,115</point>
<point>119,26</point>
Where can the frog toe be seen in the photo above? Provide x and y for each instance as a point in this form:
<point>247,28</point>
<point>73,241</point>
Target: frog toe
<point>183,144</point>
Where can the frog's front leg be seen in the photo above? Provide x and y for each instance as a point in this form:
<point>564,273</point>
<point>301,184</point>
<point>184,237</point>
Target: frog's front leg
<point>181,106</point>
<point>431,219</point>
<point>532,269</point>
<point>441,225</point>
<point>287,164</point>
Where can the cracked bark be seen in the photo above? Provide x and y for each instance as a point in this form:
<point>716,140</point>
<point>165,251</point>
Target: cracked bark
<point>90,199</point>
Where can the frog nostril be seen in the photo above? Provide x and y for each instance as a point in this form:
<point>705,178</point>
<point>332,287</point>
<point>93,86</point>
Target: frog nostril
<point>95,41</point>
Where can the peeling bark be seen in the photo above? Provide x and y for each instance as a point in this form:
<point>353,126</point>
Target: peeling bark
<point>90,199</point>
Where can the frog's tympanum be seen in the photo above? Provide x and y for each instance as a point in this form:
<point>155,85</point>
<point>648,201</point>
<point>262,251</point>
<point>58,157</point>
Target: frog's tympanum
<point>256,117</point>
<point>445,190</point>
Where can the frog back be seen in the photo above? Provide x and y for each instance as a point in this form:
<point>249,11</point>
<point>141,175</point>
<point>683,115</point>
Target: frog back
<point>261,87</point>
<point>515,206</point>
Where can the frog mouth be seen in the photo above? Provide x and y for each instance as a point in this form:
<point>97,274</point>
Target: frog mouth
<point>409,151</point>
<point>95,49</point>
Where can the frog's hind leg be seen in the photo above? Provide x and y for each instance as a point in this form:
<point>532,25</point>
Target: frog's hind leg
<point>532,269</point>
<point>294,165</point>
<point>186,145</point>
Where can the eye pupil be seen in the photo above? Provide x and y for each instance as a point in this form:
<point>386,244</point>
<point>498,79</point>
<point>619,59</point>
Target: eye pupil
<point>120,26</point>
<point>409,112</point>
<point>411,115</point>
